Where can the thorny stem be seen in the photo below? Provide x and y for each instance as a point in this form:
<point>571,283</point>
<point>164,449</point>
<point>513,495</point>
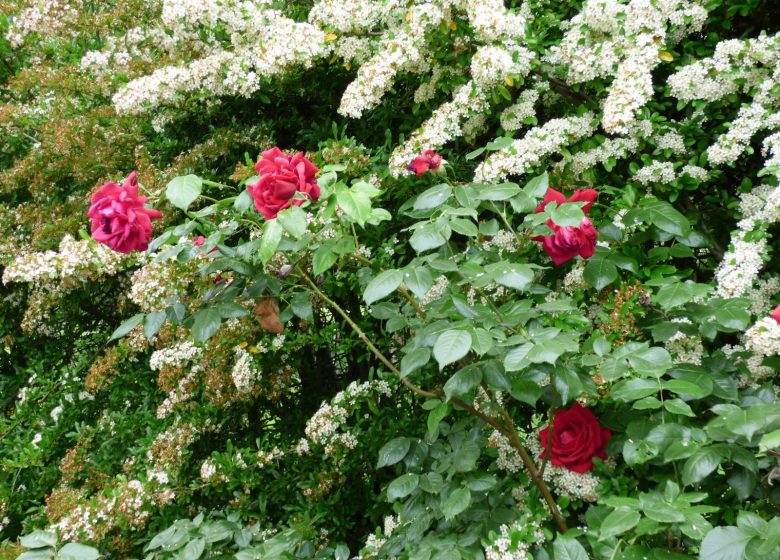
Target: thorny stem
<point>508,430</point>
<point>550,427</point>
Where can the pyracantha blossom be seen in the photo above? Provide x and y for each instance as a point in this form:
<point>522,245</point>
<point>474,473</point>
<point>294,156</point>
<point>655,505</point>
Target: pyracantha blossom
<point>429,160</point>
<point>576,439</point>
<point>281,177</point>
<point>567,242</point>
<point>776,314</point>
<point>119,218</point>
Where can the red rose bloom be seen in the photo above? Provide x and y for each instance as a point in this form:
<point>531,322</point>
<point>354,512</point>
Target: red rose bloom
<point>281,176</point>
<point>119,217</point>
<point>565,243</point>
<point>429,160</point>
<point>577,438</point>
<point>776,314</point>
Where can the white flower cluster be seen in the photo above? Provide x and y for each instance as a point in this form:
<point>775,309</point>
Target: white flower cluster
<point>656,172</point>
<point>262,43</point>
<point>610,149</point>
<point>267,457</point>
<point>77,262</point>
<point>492,64</point>
<point>323,428</point>
<point>508,545</point>
<point>757,371</point>
<point>578,486</point>
<point>244,374</point>
<point>176,356</point>
<point>763,113</point>
<point>527,152</point>
<point>181,393</point>
<point>155,283</point>
<point>508,458</point>
<point>763,338</point>
<point>435,292</point>
<point>610,38</point>
<point>513,116</point>
<point>444,125</point>
<point>46,18</point>
<point>684,348</point>
<point>402,50</point>
<point>737,65</point>
<point>737,272</point>
<point>351,16</point>
<point>492,21</point>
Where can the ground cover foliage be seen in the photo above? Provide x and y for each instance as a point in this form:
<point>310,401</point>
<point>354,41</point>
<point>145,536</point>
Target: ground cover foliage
<point>432,280</point>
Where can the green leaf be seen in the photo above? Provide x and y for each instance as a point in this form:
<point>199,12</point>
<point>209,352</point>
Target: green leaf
<point>679,406</point>
<point>703,462</point>
<point>293,220</point>
<point>600,273</point>
<point>634,389</point>
<point>435,417</point>
<point>193,550</point>
<point>38,554</point>
<point>433,197</point>
<point>456,503</point>
<point>243,202</point>
<point>653,361</point>
<point>617,522</point>
<point>127,326</point>
<point>74,551</point>
<point>770,441</point>
<point>464,380</point>
<point>354,201</point>
<point>403,486</point>
<point>272,235</point>
<point>414,360</point>
<point>153,322</point>
<point>323,259</point>
<point>517,358</point>
<point>568,214</point>
<point>526,391</point>
<point>663,215</point>
<point>425,238</point>
<point>724,543</point>
<point>393,451</point>
<point>182,191</point>
<point>464,227</point>
<point>511,275</point>
<point>451,346</point>
<point>206,322</point>
<point>465,457</point>
<point>499,192</point>
<point>537,186</point>
<point>418,279</point>
<point>672,295</point>
<point>38,539</point>
<point>569,549</point>
<point>550,350</point>
<point>382,285</point>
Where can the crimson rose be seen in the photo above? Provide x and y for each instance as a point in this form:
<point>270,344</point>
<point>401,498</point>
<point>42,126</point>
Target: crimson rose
<point>577,438</point>
<point>281,176</point>
<point>776,314</point>
<point>428,160</point>
<point>119,217</point>
<point>567,242</point>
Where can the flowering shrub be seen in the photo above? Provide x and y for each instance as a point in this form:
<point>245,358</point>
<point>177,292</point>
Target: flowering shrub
<point>304,333</point>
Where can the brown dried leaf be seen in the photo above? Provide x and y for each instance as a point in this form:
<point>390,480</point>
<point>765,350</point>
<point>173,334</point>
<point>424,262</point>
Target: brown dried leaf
<point>268,312</point>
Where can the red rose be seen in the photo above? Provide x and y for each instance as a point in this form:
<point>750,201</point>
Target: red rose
<point>577,438</point>
<point>119,217</point>
<point>580,195</point>
<point>567,242</point>
<point>281,176</point>
<point>776,314</point>
<point>429,160</point>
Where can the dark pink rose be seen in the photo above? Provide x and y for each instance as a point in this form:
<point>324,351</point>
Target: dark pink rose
<point>568,242</point>
<point>580,195</point>
<point>577,438</point>
<point>429,160</point>
<point>119,217</point>
<point>776,314</point>
<point>281,176</point>
<point>198,241</point>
